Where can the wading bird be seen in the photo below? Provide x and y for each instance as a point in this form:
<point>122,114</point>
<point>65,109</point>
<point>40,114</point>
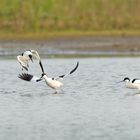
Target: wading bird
<point>26,57</point>
<point>132,83</point>
<point>53,83</point>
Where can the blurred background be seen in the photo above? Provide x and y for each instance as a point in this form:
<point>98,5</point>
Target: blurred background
<point>61,15</point>
<point>90,27</point>
<point>104,36</point>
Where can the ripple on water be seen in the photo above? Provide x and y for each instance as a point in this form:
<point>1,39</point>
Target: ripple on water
<point>93,106</point>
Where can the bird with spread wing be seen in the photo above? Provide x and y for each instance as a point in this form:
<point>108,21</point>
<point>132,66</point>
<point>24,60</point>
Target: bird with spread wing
<point>52,82</point>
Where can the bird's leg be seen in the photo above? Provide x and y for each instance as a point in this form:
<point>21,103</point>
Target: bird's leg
<point>62,91</point>
<point>138,93</point>
<point>55,91</point>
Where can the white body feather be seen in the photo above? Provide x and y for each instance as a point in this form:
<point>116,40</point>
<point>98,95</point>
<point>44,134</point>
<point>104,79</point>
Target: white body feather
<point>133,85</point>
<point>24,59</point>
<point>55,84</point>
<point>35,54</point>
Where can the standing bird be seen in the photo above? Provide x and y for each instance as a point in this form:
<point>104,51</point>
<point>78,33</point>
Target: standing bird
<point>53,83</point>
<point>132,83</point>
<point>26,57</point>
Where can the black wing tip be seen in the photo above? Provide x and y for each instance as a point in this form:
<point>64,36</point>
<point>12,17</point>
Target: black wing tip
<point>25,76</point>
<point>40,63</point>
<point>25,68</point>
<point>77,63</point>
<point>61,76</point>
<point>75,67</point>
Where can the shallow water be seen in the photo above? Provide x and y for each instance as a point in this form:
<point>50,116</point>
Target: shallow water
<point>93,105</point>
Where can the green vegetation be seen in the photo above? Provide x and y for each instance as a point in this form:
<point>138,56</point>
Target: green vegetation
<point>69,16</point>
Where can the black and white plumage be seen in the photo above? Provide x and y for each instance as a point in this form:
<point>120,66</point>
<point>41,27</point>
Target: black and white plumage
<point>26,57</point>
<point>73,70</point>
<point>28,77</point>
<point>54,83</point>
<point>132,83</point>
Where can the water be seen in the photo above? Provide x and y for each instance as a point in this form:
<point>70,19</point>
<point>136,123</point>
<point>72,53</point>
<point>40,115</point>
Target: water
<point>93,106</point>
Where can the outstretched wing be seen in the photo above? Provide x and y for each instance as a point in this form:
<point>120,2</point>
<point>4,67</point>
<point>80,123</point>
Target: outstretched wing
<point>23,61</point>
<point>28,77</point>
<point>41,66</point>
<point>35,54</point>
<point>72,71</point>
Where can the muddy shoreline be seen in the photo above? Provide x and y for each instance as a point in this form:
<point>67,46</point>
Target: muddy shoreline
<point>75,46</point>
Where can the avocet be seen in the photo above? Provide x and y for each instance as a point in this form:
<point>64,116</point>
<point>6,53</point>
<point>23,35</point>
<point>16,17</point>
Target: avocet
<point>52,82</point>
<point>26,57</point>
<point>131,83</point>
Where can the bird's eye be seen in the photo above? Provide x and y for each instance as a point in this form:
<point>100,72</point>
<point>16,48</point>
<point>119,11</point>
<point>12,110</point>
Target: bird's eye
<point>52,78</point>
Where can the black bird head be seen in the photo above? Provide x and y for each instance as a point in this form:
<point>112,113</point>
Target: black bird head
<point>30,56</point>
<point>41,78</point>
<point>43,75</point>
<point>126,79</point>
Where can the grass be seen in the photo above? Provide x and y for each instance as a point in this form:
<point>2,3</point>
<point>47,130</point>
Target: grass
<point>54,18</point>
<point>63,34</point>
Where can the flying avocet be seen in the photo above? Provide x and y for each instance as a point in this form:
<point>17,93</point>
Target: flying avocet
<point>131,83</point>
<point>53,83</point>
<point>26,57</point>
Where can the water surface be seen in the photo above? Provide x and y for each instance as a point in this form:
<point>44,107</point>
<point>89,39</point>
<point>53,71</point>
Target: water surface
<point>93,105</point>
